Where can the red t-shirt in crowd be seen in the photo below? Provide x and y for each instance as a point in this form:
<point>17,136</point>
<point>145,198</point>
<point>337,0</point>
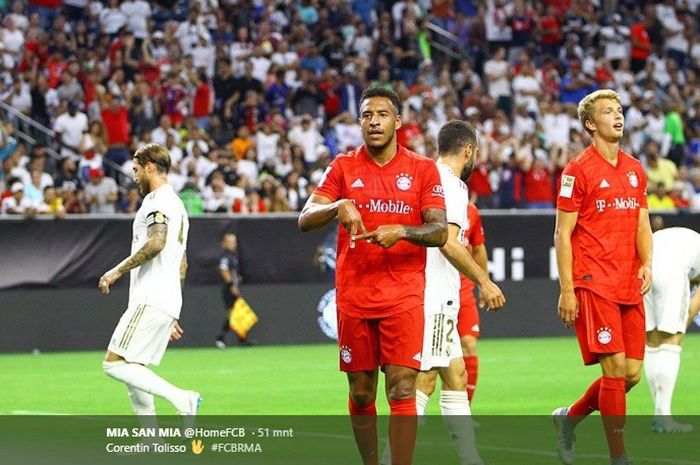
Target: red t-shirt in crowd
<point>373,282</point>
<point>117,125</point>
<point>479,181</point>
<point>608,199</point>
<point>474,235</point>
<point>538,186</point>
<point>638,31</point>
<point>202,98</point>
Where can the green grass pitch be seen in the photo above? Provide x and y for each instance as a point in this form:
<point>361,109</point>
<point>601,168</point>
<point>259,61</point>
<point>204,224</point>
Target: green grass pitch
<point>524,377</point>
<point>516,376</point>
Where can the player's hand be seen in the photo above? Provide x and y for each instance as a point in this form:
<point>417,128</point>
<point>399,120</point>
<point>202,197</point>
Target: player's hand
<point>385,235</point>
<point>108,279</point>
<point>568,308</point>
<point>645,275</point>
<point>177,332</point>
<point>349,216</point>
<point>491,297</point>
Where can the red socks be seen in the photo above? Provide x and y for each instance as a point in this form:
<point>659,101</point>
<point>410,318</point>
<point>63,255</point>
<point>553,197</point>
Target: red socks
<point>364,426</point>
<point>471,364</point>
<point>355,410</point>
<point>586,404</point>
<point>613,407</point>
<point>403,427</point>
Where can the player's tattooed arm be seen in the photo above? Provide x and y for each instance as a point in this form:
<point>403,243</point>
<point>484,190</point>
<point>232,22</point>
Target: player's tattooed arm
<point>183,269</point>
<point>433,231</point>
<point>156,241</point>
<point>157,234</point>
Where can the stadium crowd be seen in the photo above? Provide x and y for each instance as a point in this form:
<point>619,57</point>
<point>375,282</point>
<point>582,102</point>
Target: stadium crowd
<point>253,98</point>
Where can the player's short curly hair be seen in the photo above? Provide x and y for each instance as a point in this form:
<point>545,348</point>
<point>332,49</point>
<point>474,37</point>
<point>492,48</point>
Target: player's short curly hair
<point>586,107</point>
<point>375,91</point>
<point>156,154</point>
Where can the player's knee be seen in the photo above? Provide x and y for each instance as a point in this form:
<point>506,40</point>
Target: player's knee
<point>402,388</point>
<point>109,366</point>
<point>362,397</point>
<point>428,387</point>
<point>632,378</point>
<point>469,345</point>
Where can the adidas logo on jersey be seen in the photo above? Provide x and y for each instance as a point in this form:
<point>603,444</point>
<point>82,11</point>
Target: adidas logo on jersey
<point>417,357</point>
<point>358,183</point>
<point>604,184</point>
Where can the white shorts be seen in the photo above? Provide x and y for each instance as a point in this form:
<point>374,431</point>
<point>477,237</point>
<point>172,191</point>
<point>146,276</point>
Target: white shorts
<point>142,334</point>
<point>666,304</point>
<point>441,342</point>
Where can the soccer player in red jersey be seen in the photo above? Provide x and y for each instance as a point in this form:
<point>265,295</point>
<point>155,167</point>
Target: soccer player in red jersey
<point>391,206</point>
<point>468,319</point>
<point>603,246</point>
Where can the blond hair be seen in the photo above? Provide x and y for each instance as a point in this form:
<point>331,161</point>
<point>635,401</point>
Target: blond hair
<point>156,154</point>
<point>586,106</point>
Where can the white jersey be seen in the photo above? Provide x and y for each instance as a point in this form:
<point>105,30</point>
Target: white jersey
<point>675,263</point>
<point>157,282</point>
<point>441,278</point>
<point>440,339</point>
<point>676,248</point>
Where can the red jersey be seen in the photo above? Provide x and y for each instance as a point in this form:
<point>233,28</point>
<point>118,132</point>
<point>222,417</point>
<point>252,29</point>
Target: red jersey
<point>373,282</point>
<point>607,199</point>
<point>473,235</point>
<point>538,186</point>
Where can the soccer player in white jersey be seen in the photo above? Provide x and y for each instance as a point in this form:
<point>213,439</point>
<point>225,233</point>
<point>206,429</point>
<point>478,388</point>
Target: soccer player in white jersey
<point>669,307</point>
<point>157,267</point>
<point>442,351</point>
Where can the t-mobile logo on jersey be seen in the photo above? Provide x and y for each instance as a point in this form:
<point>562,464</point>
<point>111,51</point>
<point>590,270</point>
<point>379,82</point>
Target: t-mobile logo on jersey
<point>629,203</point>
<point>388,206</point>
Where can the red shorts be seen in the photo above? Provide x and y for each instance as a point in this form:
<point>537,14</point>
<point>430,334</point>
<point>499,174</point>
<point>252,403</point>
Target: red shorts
<point>605,327</point>
<point>368,343</point>
<point>468,317</point>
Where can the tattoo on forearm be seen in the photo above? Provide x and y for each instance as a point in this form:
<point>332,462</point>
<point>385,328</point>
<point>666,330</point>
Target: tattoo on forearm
<point>183,269</point>
<point>156,240</point>
<point>432,233</point>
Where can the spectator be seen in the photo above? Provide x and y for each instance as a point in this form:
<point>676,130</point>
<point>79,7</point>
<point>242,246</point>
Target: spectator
<point>307,137</point>
<point>159,135</point>
<point>497,73</point>
<point>69,128</point>
<point>251,203</point>
<point>191,199</point>
<point>18,203</point>
<point>659,200</point>
<point>131,201</point>
<point>51,204</point>
<point>659,170</point>
<point>101,192</point>
<point>116,120</point>
<point>615,37</point>
<point>575,84</point>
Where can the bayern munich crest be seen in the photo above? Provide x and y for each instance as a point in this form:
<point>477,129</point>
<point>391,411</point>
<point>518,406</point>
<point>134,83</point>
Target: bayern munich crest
<point>634,181</point>
<point>403,181</point>
<point>604,335</point>
<point>346,354</point>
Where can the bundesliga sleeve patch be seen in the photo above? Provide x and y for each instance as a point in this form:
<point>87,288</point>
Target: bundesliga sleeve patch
<point>567,186</point>
<point>156,218</point>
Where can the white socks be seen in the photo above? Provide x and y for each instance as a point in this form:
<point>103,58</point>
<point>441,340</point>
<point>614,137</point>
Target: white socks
<point>456,414</point>
<point>662,365</point>
<point>651,367</point>
<point>669,357</point>
<point>142,402</point>
<point>421,402</point>
<point>141,378</point>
